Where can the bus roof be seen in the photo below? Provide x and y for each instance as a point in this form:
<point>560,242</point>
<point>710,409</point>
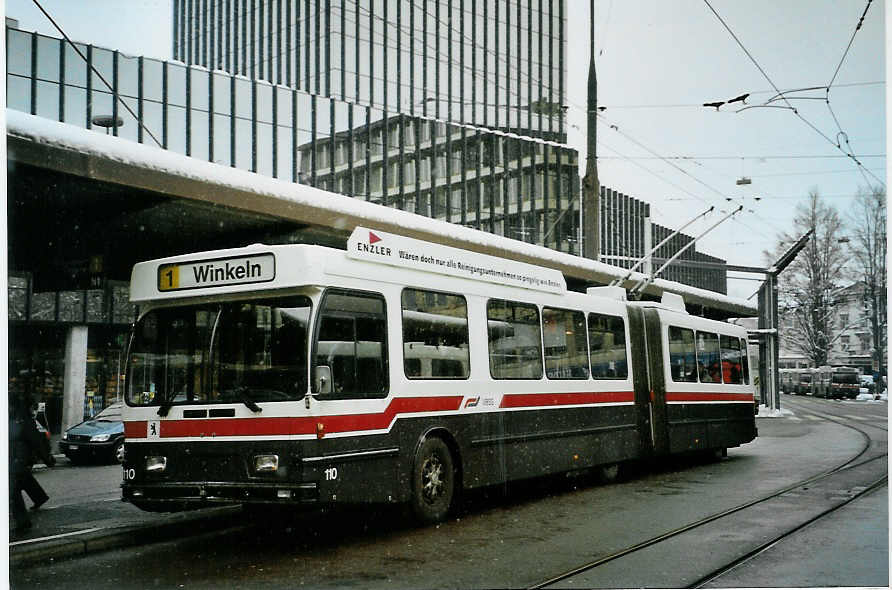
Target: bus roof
<point>268,267</point>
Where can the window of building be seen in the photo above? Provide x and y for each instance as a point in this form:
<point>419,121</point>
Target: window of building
<point>566,356</point>
<point>377,143</point>
<point>435,335</point>
<point>682,357</point>
<point>607,340</point>
<point>352,343</point>
<point>515,340</point>
<point>376,179</point>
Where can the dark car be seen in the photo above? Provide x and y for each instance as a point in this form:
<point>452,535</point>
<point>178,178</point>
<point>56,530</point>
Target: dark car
<point>101,437</point>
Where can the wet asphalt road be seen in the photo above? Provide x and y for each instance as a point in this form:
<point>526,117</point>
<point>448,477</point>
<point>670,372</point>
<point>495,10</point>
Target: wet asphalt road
<point>529,532</point>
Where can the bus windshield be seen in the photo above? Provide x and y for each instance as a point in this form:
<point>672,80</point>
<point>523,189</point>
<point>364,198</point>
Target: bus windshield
<point>845,378</point>
<point>245,351</point>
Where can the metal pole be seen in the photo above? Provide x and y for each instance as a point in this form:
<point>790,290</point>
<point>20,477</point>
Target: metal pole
<point>590,184</point>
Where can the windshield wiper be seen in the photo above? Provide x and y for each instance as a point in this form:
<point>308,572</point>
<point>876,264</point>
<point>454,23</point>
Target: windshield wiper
<point>165,406</point>
<point>241,393</point>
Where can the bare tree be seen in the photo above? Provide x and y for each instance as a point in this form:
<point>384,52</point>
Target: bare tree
<point>867,241</point>
<point>807,290</point>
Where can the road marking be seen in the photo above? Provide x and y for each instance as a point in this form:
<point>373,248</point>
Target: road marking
<point>115,498</point>
<point>51,537</point>
<point>854,417</point>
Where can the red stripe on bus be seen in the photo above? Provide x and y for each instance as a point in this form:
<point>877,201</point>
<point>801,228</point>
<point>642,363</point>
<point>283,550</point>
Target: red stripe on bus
<point>227,427</point>
<point>280,426</point>
<point>708,397</point>
<point>135,429</point>
<point>532,400</point>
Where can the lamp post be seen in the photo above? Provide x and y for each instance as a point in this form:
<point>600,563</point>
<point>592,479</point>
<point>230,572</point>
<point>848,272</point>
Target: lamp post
<point>107,121</point>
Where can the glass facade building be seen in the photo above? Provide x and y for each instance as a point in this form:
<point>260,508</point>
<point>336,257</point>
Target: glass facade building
<point>494,63</point>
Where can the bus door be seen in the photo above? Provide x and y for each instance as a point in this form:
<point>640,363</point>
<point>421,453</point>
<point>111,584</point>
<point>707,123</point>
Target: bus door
<point>350,370</point>
<point>648,380</point>
<point>654,335</point>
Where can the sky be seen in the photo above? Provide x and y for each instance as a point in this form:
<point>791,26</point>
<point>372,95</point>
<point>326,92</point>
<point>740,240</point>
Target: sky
<point>657,62</point>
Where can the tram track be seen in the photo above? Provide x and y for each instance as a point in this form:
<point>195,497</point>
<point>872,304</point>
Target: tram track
<point>852,463</point>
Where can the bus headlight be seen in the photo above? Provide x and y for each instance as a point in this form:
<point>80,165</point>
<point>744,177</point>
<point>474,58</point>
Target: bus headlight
<point>156,464</point>
<point>266,463</point>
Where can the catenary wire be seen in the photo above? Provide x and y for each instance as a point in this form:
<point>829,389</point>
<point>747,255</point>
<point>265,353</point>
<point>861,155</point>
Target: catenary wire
<point>781,95</point>
<point>95,71</point>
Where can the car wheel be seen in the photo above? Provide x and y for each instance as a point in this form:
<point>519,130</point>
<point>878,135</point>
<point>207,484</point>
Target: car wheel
<point>433,481</point>
<point>118,452</point>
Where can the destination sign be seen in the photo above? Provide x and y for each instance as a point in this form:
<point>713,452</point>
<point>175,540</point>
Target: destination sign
<point>219,272</point>
<point>404,252</point>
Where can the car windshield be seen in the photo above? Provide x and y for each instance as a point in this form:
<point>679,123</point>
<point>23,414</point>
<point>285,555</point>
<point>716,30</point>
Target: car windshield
<point>246,351</point>
<point>109,414</point>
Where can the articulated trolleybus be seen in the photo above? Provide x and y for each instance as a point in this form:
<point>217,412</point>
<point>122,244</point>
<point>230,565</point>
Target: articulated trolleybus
<point>405,371</point>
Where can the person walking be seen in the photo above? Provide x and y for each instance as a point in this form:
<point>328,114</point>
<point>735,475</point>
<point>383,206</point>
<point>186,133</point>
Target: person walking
<point>25,442</point>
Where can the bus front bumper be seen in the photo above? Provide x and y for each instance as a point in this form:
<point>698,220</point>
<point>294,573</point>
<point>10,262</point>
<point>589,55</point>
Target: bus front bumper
<point>161,497</point>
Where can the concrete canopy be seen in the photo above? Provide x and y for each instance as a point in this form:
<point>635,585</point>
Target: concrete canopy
<point>76,193</point>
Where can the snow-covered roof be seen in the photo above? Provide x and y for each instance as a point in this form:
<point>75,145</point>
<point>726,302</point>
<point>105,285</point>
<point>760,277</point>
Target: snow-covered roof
<point>111,159</point>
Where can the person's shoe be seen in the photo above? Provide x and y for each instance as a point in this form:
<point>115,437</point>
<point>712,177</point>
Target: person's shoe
<point>37,505</point>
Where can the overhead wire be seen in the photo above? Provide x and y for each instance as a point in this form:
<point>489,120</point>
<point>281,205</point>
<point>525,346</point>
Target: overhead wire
<point>95,71</point>
<point>833,79</point>
<point>713,189</point>
<point>686,173</point>
<point>782,95</point>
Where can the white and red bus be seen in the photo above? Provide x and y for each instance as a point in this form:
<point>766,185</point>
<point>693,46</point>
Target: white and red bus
<point>405,371</point>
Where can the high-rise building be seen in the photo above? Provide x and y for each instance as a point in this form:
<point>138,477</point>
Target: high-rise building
<point>452,109</point>
<point>494,63</point>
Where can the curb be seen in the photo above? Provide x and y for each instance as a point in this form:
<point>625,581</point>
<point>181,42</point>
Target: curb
<point>178,525</point>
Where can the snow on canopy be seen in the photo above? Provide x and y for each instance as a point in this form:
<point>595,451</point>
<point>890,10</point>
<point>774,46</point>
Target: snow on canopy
<point>300,202</point>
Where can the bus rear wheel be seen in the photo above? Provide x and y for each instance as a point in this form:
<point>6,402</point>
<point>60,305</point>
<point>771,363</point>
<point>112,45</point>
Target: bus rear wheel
<point>433,481</point>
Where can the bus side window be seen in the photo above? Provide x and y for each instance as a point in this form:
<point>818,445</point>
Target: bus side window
<point>352,342</point>
<point>607,340</point>
<point>435,335</point>
<point>731,370</point>
<point>709,364</point>
<point>515,340</point>
<point>565,351</point>
<point>744,356</point>
<point>682,359</point>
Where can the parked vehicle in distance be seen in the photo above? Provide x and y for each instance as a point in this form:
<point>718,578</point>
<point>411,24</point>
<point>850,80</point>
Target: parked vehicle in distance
<point>798,381</point>
<point>838,382</point>
<point>99,438</point>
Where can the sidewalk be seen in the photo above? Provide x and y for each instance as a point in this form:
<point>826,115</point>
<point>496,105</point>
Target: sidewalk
<point>86,527</point>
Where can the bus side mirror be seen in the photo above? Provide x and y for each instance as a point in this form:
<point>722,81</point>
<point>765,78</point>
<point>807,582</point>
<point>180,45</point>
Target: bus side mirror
<point>322,379</point>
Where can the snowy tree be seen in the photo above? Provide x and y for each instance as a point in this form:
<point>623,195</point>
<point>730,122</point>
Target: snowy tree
<point>867,243</point>
<point>808,288</point>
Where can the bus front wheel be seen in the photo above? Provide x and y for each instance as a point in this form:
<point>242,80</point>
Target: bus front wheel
<point>433,481</point>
